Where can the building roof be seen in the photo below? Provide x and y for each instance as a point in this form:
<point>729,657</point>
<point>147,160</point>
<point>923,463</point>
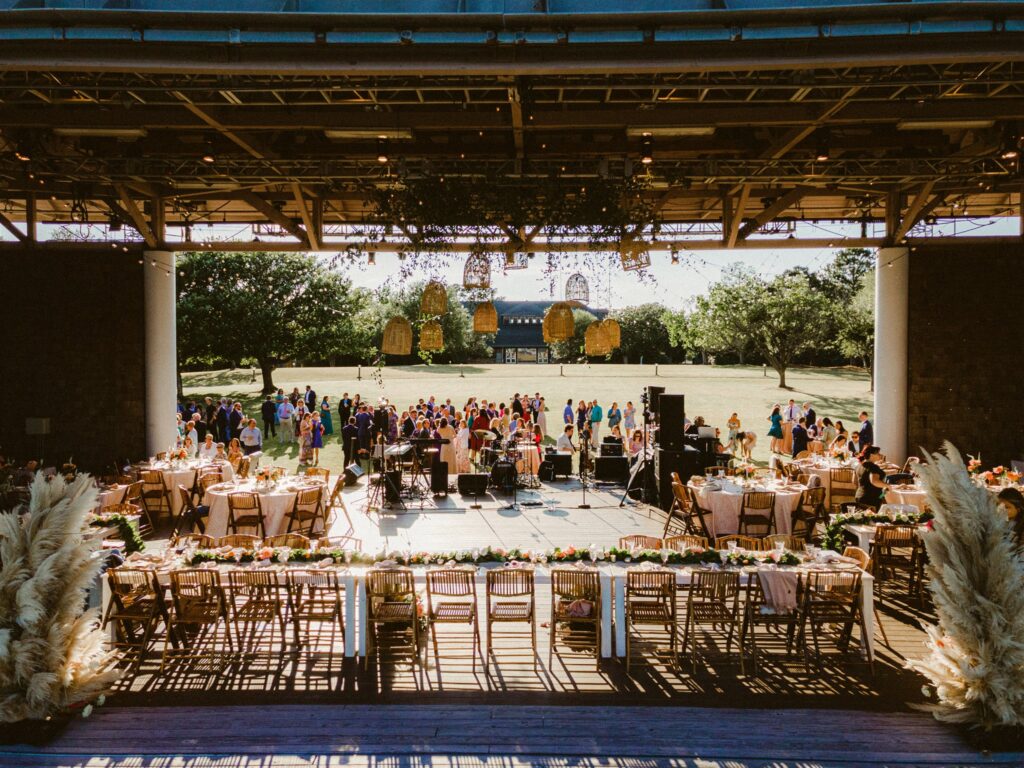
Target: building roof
<point>526,334</point>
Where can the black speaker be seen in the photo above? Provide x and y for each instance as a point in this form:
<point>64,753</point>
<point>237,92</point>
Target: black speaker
<point>473,484</point>
<point>671,421</point>
<point>393,486</point>
<point>439,477</point>
<point>687,463</point>
<point>546,471</point>
<point>654,399</point>
<point>352,474</point>
<point>613,468</point>
<point>503,476</point>
<point>611,449</point>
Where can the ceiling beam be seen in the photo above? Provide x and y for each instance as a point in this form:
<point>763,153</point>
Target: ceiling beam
<point>9,226</point>
<point>913,212</point>
<point>260,205</point>
<point>787,201</point>
<point>248,145</point>
<point>135,216</point>
<point>313,234</point>
<point>732,227</point>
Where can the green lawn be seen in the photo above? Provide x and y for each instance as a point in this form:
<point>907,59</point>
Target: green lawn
<point>713,392</point>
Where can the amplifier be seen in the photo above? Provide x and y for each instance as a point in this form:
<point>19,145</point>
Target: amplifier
<point>611,449</point>
<point>562,463</point>
<point>687,463</point>
<point>473,484</point>
<point>614,468</point>
<point>352,474</point>
<point>439,477</point>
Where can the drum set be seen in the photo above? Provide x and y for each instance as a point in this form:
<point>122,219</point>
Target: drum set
<point>512,463</point>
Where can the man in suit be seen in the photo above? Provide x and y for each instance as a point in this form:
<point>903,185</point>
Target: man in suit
<point>223,423</point>
<point>349,438</point>
<point>310,399</point>
<point>269,412</point>
<point>210,416</point>
<point>364,423</point>
<point>867,432</point>
<point>235,419</point>
<point>799,436</point>
<point>810,416</point>
<point>344,409</point>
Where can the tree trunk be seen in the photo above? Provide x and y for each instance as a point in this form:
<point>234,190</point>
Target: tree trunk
<point>781,370</point>
<point>743,356</point>
<point>267,371</point>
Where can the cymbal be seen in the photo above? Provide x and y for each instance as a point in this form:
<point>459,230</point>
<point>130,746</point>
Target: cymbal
<point>484,434</point>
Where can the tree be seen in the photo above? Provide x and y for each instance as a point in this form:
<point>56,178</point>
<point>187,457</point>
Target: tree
<point>263,306</point>
<point>722,320</point>
<point>680,330</point>
<point>856,333</point>
<point>786,318</point>
<point>461,343</point>
<point>573,349</point>
<point>843,277</point>
<point>644,334</point>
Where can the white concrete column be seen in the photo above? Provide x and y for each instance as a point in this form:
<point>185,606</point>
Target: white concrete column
<point>892,301</point>
<point>159,287</point>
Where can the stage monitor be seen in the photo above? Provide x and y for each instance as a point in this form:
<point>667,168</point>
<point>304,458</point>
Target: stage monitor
<point>671,422</point>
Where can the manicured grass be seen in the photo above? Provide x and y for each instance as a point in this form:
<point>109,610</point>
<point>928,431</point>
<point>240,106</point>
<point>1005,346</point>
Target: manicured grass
<point>711,391</point>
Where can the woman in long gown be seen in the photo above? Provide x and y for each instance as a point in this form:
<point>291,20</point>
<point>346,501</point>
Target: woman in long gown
<point>448,450</point>
<point>462,448</point>
<point>541,419</point>
<point>326,417</point>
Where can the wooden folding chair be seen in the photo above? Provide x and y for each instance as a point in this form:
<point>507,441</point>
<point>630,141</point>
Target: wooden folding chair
<point>451,599</point>
<point>864,563</point>
<point>197,540</point>
<point>156,499</point>
<point>757,513</point>
<point>207,480</point>
<point>575,612</point>
<point>833,598</point>
<point>340,542</point>
<point>307,513</point>
<point>320,472</point>
<point>712,603</point>
<point>894,549</point>
<point>239,541</point>
<point>189,515</point>
<point>748,543</point>
<point>842,488</point>
<point>511,599</point>
<point>792,543</point>
<point>758,612</point>
<point>244,464</point>
<point>809,512</point>
<point>258,599</point>
<point>199,610</point>
<point>639,541</point>
<point>245,510</point>
<point>698,521</point>
<point>650,602</point>
<point>290,540</point>
<point>315,598</point>
<point>391,613</point>
<point>136,609</point>
<point>685,542</point>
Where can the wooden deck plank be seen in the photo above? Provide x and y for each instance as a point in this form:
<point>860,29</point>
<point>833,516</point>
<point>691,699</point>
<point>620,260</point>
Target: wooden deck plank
<point>241,736</point>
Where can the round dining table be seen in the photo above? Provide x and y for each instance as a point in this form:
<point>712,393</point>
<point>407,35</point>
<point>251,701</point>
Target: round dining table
<point>276,502</point>
<point>725,501</point>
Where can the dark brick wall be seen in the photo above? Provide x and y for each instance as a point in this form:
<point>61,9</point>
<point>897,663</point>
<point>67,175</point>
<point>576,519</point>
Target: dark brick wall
<point>966,333</point>
<point>73,351</point>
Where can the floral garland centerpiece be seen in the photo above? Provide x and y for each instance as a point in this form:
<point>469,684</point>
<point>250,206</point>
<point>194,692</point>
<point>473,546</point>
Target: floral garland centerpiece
<point>833,538</point>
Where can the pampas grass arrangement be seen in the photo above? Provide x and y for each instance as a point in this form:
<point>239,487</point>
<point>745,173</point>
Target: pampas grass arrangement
<point>52,655</point>
<point>976,659</point>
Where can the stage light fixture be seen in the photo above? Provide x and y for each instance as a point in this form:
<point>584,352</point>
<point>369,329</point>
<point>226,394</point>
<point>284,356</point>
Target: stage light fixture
<point>647,149</point>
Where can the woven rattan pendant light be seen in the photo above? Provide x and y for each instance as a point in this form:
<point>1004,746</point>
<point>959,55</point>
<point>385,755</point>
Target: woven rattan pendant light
<point>558,322</point>
<point>431,337</point>
<point>435,300</point>
<point>397,337</point>
<point>595,340</point>
<point>485,318</point>
<point>477,272</point>
<point>613,331</point>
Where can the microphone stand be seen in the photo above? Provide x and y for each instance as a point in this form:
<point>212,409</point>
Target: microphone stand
<point>584,461</point>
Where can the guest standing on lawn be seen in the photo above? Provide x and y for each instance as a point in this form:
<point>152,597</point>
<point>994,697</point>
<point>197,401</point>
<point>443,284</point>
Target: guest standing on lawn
<point>326,417</point>
<point>775,431</point>
<point>596,417</point>
<point>269,412</point>
<point>316,437</point>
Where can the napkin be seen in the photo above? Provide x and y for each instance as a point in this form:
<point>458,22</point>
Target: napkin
<point>779,589</point>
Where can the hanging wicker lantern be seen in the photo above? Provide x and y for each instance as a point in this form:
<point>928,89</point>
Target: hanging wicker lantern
<point>435,299</point>
<point>485,318</point>
<point>431,337</point>
<point>595,340</point>
<point>397,337</point>
<point>477,272</point>
<point>559,324</point>
<point>613,331</point>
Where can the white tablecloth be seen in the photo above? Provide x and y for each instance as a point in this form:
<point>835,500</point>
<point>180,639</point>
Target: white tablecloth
<point>186,476</point>
<point>725,508</point>
<point>914,496</point>
<point>276,503</point>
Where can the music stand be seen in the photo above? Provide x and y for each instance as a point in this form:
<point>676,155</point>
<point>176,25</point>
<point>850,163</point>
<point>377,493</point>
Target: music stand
<point>377,497</point>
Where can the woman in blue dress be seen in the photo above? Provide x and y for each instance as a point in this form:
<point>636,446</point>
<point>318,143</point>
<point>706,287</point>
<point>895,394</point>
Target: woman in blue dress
<point>316,438</point>
<point>775,431</point>
<point>326,418</point>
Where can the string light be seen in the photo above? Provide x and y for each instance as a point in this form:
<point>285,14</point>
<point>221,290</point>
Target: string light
<point>647,149</point>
